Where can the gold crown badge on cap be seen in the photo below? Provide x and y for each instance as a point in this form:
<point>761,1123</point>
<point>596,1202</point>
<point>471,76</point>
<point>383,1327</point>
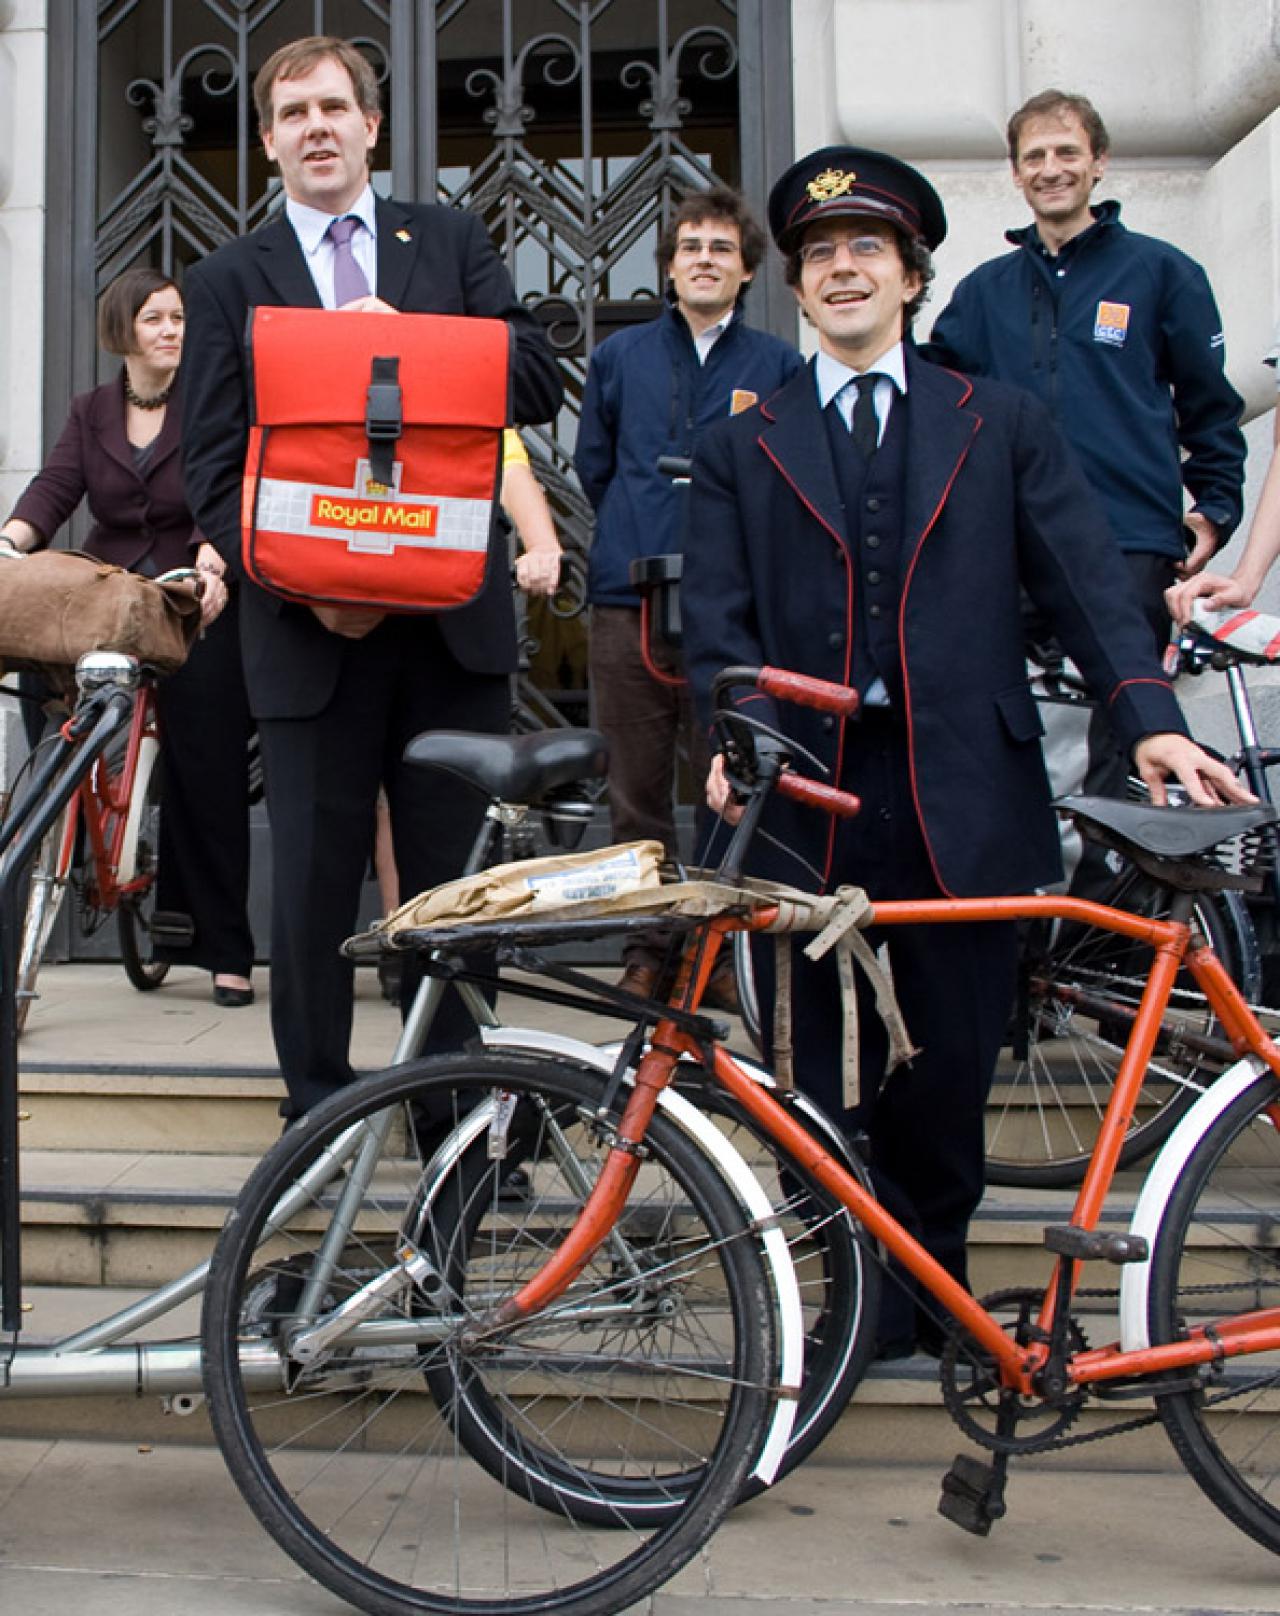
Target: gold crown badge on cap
<point>832,182</point>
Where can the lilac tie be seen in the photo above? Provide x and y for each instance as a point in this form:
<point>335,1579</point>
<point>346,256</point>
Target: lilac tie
<point>349,280</point>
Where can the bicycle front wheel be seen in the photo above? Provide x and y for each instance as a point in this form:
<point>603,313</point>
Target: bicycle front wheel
<point>347,1325</point>
<point>1216,1254</point>
<point>139,861</point>
<point>1078,997</point>
<point>46,888</point>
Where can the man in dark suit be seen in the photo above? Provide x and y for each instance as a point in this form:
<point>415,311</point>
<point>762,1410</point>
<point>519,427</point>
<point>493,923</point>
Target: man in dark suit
<point>338,692</point>
<point>873,524</point>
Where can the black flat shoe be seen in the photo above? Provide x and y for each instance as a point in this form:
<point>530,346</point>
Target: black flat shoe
<point>232,998</point>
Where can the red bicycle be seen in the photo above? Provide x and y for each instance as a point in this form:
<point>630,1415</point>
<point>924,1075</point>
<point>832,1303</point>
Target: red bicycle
<point>103,846</point>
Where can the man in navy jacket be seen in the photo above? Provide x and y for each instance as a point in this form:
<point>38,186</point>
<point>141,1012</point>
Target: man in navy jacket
<point>1119,335</point>
<point>651,392</point>
<point>875,524</point>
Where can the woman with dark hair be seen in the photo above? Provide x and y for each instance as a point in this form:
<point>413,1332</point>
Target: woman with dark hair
<point>119,449</point>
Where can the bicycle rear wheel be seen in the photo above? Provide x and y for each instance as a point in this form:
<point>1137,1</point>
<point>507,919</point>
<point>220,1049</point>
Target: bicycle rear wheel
<point>838,1266</point>
<point>1216,1254</point>
<point>744,976</point>
<point>655,1365</point>
<point>838,1277</point>
<point>139,860</point>
<point>1079,994</point>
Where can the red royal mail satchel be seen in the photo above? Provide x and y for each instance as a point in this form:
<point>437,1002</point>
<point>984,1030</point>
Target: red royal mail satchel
<point>374,456</point>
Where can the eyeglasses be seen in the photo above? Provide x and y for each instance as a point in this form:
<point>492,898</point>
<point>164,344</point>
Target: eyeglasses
<point>867,249</point>
<point>693,247</point>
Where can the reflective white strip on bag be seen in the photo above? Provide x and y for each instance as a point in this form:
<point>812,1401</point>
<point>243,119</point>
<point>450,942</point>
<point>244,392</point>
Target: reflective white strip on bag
<point>375,526</point>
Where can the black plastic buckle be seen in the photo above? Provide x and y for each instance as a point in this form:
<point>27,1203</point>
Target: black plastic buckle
<point>383,418</point>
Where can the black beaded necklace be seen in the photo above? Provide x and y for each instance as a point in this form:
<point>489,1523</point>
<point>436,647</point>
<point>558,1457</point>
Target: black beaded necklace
<point>157,402</point>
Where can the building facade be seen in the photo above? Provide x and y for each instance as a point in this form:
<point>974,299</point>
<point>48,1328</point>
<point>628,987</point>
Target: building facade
<point>126,135</point>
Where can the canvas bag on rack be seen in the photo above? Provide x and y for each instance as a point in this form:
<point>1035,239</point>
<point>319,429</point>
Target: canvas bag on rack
<point>58,605</point>
<point>374,456</point>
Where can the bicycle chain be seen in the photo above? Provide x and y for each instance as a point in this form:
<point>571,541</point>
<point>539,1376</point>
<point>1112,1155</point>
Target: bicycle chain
<point>1177,996</point>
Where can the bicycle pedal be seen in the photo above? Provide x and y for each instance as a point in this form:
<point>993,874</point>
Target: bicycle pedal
<point>171,928</point>
<point>972,1495</point>
<point>1095,1245</point>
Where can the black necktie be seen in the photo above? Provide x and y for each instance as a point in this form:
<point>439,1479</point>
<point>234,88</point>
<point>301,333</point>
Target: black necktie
<point>865,428</point>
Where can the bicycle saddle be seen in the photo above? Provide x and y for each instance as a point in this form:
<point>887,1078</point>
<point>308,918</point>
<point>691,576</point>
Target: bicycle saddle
<point>1175,844</point>
<point>513,768</point>
<point>1248,636</point>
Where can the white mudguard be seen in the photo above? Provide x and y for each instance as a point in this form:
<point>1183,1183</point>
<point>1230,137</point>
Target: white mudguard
<point>148,752</point>
<point>1148,1214</point>
<point>704,1132</point>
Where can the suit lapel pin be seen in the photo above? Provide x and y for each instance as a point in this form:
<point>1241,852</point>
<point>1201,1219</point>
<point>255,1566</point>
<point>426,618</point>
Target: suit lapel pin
<point>402,235</point>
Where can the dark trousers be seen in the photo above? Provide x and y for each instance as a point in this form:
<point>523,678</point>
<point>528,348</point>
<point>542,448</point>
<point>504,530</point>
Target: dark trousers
<point>204,822</point>
<point>322,778</point>
<point>646,723</point>
<point>955,985</point>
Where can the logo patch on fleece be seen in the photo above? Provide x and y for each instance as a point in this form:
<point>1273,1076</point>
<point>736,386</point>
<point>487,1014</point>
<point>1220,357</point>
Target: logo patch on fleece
<point>1111,324</point>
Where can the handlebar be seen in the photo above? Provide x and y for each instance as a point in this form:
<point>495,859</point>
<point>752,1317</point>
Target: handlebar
<point>801,689</point>
<point>813,794</point>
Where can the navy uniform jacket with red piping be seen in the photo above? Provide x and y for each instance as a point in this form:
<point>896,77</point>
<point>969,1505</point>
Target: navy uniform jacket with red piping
<point>993,503</point>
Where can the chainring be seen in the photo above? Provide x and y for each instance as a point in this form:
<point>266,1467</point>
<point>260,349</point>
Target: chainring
<point>976,1400</point>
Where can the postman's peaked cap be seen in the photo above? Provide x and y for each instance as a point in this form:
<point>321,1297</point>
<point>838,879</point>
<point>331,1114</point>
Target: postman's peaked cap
<point>853,180</point>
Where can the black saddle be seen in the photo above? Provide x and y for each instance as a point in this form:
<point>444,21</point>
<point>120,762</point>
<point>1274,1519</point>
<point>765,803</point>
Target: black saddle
<point>513,768</point>
<point>1196,849</point>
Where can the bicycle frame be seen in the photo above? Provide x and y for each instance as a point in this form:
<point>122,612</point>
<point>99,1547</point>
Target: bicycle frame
<point>105,804</point>
<point>1173,943</point>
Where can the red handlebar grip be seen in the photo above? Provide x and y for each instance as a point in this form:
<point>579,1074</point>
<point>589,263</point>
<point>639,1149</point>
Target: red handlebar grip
<point>815,795</point>
<point>808,692</point>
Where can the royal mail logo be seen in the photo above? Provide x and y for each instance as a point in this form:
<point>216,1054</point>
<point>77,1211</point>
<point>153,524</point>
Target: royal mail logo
<point>371,519</point>
<point>385,516</point>
<point>1111,323</point>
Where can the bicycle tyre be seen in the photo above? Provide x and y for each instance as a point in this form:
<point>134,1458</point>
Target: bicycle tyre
<point>744,976</point>
<point>1049,1095</point>
<point>46,888</point>
<point>839,1277</point>
<point>402,1520</point>
<point>140,859</point>
<point>838,1267</point>
<point>1214,1254</point>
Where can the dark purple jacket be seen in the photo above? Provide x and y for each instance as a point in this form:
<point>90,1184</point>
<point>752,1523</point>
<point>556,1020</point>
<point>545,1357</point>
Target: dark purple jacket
<point>138,516</point>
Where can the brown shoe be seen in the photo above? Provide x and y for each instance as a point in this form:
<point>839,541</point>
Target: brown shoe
<point>722,994</point>
<point>640,980</point>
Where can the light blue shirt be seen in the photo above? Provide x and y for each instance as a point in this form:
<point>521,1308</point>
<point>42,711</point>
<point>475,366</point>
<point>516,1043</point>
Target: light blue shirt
<point>706,340</point>
<point>310,226</point>
<point>835,380</point>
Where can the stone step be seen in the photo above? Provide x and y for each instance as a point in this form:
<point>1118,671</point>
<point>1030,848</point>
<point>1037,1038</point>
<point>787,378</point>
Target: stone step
<point>235,1109</point>
<point>142,1216</point>
<point>98,1108</point>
